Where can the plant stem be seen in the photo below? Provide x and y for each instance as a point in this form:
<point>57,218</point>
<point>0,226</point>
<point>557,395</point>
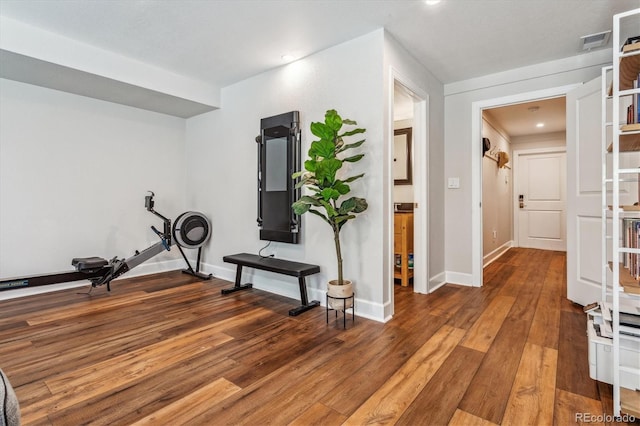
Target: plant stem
<point>336,239</point>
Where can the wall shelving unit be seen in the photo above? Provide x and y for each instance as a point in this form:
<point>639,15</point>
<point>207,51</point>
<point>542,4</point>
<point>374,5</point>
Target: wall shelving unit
<point>614,345</point>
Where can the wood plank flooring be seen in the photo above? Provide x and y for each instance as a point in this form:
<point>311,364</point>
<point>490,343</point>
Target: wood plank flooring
<point>169,349</point>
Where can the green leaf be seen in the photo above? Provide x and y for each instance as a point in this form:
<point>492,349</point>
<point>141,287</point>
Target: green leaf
<point>347,206</point>
<point>331,212</point>
<point>361,205</point>
<point>354,158</point>
<point>353,205</point>
<point>307,179</point>
<point>323,148</point>
<point>304,182</point>
<point>353,132</point>
<point>321,130</point>
<point>352,178</point>
<point>333,120</point>
<point>326,171</point>
<point>330,193</point>
<point>347,121</point>
<point>341,218</point>
<point>310,165</point>
<point>350,146</point>
<point>309,200</point>
<point>297,174</point>
<point>341,187</point>
<point>300,207</point>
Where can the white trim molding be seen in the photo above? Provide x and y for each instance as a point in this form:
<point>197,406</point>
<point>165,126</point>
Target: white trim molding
<point>460,278</point>
<point>437,281</point>
<point>495,254</point>
<point>144,269</point>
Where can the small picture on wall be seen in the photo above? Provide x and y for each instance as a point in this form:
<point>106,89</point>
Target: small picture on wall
<point>402,156</point>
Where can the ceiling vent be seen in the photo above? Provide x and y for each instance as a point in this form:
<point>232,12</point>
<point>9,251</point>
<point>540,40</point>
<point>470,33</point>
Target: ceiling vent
<point>593,41</point>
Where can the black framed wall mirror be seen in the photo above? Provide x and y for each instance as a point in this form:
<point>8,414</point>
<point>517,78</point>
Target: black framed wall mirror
<point>278,159</point>
<point>402,173</point>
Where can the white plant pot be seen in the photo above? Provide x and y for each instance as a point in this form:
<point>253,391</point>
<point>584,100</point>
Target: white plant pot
<point>335,290</point>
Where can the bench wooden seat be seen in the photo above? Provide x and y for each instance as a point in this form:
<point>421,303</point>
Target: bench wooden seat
<point>278,266</point>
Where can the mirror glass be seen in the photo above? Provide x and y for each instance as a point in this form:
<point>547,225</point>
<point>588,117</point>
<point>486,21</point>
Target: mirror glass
<point>402,174</point>
<point>277,176</point>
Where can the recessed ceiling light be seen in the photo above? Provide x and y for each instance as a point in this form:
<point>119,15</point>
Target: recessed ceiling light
<point>432,2</point>
<point>540,125</point>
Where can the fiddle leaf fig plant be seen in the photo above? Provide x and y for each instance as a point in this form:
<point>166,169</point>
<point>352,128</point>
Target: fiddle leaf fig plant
<point>328,191</point>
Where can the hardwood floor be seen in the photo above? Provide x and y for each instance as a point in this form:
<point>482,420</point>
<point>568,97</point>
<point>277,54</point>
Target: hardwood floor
<point>168,349</point>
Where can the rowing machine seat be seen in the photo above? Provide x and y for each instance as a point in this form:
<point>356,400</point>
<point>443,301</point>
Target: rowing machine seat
<point>88,264</point>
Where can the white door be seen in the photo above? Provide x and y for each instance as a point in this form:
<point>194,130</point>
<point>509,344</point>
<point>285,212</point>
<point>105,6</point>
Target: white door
<point>584,186</point>
<point>540,199</point>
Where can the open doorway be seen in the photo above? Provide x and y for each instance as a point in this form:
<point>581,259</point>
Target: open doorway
<point>524,177</point>
<point>403,187</point>
<point>477,165</point>
<point>408,194</point>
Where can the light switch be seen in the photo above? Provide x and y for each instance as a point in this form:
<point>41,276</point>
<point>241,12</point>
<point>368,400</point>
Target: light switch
<point>454,183</point>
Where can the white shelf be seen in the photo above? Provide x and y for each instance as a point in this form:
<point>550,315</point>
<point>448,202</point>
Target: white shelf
<point>629,171</point>
<point>616,360</point>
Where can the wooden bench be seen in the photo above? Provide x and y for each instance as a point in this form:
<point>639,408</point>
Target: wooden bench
<point>279,266</point>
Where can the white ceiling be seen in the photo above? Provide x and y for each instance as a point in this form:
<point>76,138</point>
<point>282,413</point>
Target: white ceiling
<point>521,119</point>
<point>226,41</point>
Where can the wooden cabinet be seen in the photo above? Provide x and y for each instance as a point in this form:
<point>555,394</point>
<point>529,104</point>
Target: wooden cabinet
<point>403,246</point>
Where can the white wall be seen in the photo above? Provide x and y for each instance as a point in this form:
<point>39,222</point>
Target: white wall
<point>73,175</point>
<point>459,98</point>
<point>221,167</point>
<point>497,193</point>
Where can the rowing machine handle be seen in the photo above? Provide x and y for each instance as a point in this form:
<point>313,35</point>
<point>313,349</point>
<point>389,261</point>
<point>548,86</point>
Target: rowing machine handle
<point>148,201</point>
<point>158,233</point>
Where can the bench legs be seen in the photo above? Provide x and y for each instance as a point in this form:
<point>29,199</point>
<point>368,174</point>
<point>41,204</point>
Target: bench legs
<point>237,286</point>
<point>306,305</point>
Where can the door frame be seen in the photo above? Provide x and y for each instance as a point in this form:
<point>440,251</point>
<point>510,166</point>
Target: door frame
<point>516,159</point>
<point>420,189</point>
<point>476,164</point>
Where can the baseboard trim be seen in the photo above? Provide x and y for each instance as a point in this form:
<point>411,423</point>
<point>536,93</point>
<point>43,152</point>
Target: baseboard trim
<point>495,254</point>
<point>144,269</point>
<point>459,278</point>
<point>437,281</point>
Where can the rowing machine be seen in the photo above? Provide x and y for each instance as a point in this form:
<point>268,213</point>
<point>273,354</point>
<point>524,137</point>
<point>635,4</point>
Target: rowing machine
<point>191,230</point>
